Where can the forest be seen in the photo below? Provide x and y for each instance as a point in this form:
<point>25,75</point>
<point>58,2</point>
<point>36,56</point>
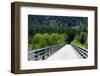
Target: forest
<point>44,31</point>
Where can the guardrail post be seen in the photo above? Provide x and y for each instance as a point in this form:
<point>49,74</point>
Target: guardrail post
<point>83,52</point>
<point>41,54</point>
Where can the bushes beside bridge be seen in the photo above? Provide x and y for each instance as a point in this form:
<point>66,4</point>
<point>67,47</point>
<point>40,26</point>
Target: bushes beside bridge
<point>43,40</point>
<point>77,42</point>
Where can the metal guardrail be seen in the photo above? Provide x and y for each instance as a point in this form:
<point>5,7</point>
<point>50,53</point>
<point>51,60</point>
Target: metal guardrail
<point>43,53</point>
<point>82,51</point>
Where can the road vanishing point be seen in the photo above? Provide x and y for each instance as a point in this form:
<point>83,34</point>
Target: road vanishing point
<point>66,52</point>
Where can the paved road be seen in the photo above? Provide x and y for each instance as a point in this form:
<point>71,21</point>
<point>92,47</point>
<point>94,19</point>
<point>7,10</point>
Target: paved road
<point>67,52</point>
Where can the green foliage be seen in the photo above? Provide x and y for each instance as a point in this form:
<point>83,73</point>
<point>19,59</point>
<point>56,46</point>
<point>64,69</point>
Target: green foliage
<point>83,37</point>
<point>80,39</point>
<point>71,34</point>
<point>55,38</point>
<point>33,46</point>
<point>30,47</point>
<point>36,38</point>
<point>86,44</point>
<point>56,24</point>
<point>54,30</point>
<point>61,39</point>
<point>77,42</point>
<point>44,40</point>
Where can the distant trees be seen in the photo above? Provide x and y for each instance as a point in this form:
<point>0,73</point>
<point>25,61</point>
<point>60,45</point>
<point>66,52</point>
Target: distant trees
<point>43,40</point>
<point>77,42</point>
<point>71,35</point>
<point>55,24</point>
<point>83,37</point>
<point>53,30</point>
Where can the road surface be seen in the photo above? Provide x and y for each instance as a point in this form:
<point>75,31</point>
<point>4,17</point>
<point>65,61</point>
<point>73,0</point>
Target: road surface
<point>67,52</point>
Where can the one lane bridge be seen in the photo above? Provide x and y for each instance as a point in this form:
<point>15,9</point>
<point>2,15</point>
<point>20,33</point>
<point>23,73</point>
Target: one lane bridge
<point>67,52</point>
<point>58,52</point>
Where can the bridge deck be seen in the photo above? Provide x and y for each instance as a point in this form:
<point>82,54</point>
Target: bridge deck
<point>67,52</point>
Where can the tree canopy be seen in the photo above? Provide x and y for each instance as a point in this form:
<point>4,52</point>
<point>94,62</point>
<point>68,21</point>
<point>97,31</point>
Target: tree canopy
<point>54,30</point>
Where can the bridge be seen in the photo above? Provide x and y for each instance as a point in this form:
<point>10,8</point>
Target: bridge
<point>58,52</point>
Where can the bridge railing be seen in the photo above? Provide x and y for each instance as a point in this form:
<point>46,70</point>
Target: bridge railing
<point>43,53</point>
<point>82,51</point>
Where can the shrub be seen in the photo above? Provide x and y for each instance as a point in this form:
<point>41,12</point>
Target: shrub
<point>44,40</point>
